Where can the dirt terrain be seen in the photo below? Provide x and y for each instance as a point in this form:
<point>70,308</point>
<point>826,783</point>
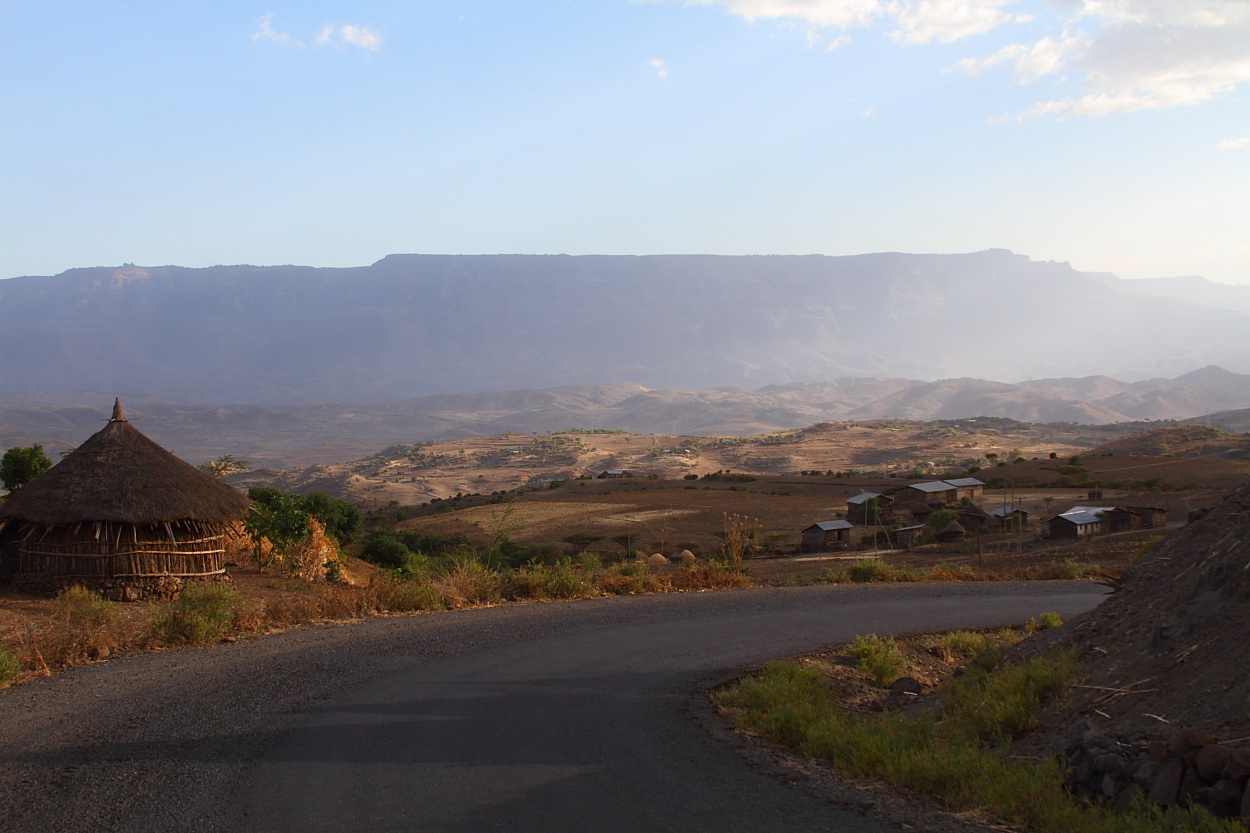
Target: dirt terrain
<point>408,475</point>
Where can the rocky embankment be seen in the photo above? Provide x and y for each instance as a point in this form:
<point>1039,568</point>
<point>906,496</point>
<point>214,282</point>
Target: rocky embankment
<point>1162,708</point>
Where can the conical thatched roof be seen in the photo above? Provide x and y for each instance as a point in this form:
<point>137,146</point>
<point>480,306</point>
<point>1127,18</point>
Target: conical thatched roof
<point>121,476</point>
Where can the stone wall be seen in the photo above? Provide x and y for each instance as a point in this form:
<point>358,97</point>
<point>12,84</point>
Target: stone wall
<point>1188,767</point>
<point>148,588</point>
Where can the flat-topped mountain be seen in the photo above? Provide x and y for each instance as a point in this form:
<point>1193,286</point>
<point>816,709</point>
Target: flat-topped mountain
<point>420,325</point>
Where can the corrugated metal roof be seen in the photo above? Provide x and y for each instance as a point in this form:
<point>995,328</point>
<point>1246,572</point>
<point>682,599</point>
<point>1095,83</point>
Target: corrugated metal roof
<point>862,497</point>
<point>829,526</point>
<point>1093,510</point>
<point>1004,511</point>
<point>1080,518</point>
<point>910,528</point>
<point>932,486</point>
<point>964,481</point>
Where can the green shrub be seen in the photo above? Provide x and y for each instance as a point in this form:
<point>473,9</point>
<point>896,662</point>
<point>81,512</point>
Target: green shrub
<point>385,549</point>
<point>405,596</point>
<point>867,570</point>
<point>560,580</point>
<point>879,657</point>
<point>963,643</point>
<point>1069,569</point>
<point>205,612</point>
<point>1044,622</point>
<point>992,706</point>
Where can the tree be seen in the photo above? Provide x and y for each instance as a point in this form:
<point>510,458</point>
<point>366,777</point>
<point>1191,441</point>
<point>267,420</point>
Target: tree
<point>281,512</point>
<point>22,465</point>
<point>342,520</point>
<point>942,518</point>
<point>277,517</point>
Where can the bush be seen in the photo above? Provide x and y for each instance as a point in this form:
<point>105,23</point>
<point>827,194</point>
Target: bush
<point>78,629</point>
<point>879,657</point>
<point>963,643</point>
<point>997,706</point>
<point>399,596</point>
<point>469,582</point>
<point>868,570</point>
<point>550,581</point>
<point>386,550</point>
<point>1044,622</point>
<point>204,613</point>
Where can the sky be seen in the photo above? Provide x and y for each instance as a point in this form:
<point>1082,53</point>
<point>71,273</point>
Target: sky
<point>1110,134</point>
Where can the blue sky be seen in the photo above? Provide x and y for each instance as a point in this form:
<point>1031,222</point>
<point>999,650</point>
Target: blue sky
<point>1113,134</point>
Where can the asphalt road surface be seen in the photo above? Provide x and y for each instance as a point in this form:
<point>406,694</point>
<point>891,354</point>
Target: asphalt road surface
<point>542,717</point>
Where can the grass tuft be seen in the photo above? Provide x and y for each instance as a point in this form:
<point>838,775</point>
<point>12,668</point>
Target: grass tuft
<point>10,668</point>
<point>878,657</point>
<point>468,583</point>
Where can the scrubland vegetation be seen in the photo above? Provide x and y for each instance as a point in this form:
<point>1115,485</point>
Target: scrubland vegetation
<point>953,746</point>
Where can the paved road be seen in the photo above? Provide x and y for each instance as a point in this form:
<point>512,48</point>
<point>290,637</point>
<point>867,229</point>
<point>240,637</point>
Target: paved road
<point>547,717</point>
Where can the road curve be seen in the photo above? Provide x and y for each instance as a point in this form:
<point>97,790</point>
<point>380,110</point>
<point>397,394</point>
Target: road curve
<point>543,717</point>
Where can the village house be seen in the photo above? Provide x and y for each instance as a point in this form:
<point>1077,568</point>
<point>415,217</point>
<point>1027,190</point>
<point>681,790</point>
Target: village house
<point>945,492</point>
<point>1128,518</point>
<point>905,536</point>
<point>933,491</point>
<point>857,508</point>
<point>1078,522</point>
<point>967,488</point>
<point>1009,517</point>
<point>827,535</point>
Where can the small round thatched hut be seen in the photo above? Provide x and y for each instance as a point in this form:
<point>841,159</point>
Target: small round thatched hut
<point>122,516</point>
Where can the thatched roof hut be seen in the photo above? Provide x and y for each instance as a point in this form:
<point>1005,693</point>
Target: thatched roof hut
<point>122,515</point>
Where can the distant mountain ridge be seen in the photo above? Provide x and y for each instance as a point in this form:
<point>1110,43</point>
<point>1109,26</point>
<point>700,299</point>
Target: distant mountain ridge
<point>420,325</point>
<point>288,435</point>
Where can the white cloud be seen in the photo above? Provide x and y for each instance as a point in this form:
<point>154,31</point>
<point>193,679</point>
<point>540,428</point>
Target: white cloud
<point>839,14</point>
<point>661,68</point>
<point>1046,57</point>
<point>945,21</point>
<point>360,37</point>
<point>1138,55</point>
<point>1106,56</point>
<point>266,32</point>
<point>1234,144</point>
